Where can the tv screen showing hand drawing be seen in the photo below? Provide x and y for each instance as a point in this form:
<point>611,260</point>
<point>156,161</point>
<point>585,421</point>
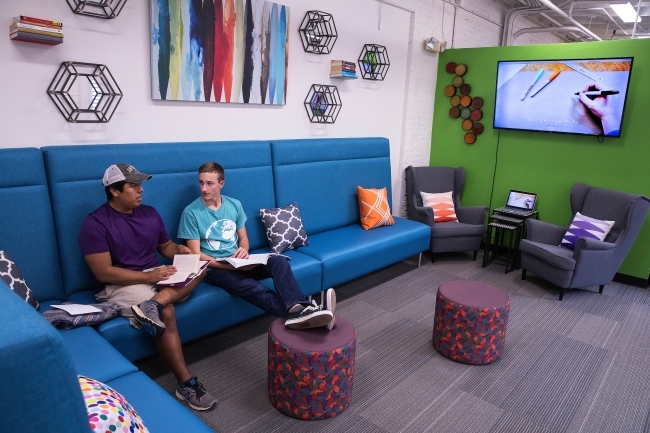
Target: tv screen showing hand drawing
<point>584,96</point>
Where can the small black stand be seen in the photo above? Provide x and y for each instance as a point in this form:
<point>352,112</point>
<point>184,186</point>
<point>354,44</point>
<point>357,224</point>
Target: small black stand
<point>494,242</point>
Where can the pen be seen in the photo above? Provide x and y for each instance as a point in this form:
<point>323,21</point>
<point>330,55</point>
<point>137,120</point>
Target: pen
<point>551,78</point>
<point>592,94</point>
<point>539,74</point>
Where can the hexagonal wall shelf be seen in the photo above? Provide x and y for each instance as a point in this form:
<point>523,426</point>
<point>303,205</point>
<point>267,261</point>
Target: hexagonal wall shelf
<point>85,92</point>
<point>323,103</point>
<point>373,62</point>
<point>318,32</point>
<point>107,9</point>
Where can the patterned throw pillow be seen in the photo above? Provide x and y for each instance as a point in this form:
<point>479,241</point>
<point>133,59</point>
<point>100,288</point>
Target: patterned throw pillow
<point>442,205</point>
<point>583,226</point>
<point>14,279</point>
<point>373,208</point>
<point>107,410</point>
<point>284,229</point>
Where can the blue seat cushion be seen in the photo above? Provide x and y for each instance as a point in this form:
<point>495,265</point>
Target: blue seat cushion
<point>350,252</point>
<point>93,356</point>
<point>160,412</point>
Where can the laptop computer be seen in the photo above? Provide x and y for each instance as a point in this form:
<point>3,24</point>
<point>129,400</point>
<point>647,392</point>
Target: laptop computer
<point>519,203</point>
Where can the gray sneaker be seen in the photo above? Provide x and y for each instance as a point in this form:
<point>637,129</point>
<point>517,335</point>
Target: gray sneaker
<point>330,305</point>
<point>195,395</point>
<point>310,316</point>
<point>147,314</point>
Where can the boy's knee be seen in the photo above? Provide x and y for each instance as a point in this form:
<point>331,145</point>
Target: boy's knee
<point>169,314</point>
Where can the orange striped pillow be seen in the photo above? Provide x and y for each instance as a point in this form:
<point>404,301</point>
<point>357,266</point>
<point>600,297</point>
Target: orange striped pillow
<point>442,205</point>
<point>373,208</point>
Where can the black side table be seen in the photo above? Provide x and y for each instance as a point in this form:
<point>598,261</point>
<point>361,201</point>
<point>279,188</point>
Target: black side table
<point>494,242</point>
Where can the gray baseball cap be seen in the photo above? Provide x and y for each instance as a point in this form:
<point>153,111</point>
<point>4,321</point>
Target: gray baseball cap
<point>121,171</point>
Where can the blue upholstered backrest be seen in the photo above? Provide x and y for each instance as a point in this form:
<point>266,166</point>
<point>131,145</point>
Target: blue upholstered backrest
<point>322,177</point>
<point>75,173</point>
<point>26,224</point>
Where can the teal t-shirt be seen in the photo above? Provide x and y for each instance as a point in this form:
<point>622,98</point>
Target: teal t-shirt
<point>216,229</point>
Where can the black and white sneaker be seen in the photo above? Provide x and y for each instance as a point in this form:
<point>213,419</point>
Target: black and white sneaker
<point>330,305</point>
<point>310,316</point>
<point>193,393</point>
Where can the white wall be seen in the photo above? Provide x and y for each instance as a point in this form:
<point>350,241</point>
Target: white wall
<point>400,108</point>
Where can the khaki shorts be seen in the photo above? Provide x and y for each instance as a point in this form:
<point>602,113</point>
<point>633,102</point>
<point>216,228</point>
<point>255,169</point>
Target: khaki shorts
<point>127,296</point>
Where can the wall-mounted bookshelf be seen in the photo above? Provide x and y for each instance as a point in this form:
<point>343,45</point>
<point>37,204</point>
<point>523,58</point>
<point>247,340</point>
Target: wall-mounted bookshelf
<point>36,30</point>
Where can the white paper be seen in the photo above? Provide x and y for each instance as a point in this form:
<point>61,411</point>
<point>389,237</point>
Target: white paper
<point>76,309</point>
<point>186,265</point>
<point>253,259</point>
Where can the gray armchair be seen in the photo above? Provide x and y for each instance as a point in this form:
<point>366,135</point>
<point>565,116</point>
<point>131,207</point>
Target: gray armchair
<point>465,235</point>
<point>593,262</point>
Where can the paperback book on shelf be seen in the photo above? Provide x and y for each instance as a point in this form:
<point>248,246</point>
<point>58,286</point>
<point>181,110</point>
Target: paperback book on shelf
<point>38,30</point>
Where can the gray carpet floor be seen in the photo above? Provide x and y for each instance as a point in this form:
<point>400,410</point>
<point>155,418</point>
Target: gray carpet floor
<point>579,365</point>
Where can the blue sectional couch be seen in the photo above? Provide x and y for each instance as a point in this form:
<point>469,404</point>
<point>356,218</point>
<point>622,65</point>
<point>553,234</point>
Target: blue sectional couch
<point>46,193</point>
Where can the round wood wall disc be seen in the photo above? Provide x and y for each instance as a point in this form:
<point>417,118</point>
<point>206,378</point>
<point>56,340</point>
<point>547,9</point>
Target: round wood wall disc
<point>457,81</point>
<point>455,100</point>
<point>470,138</point>
<point>465,112</point>
<point>477,102</point>
<point>465,89</point>
<point>451,68</point>
<point>476,114</point>
<point>454,112</point>
<point>477,128</point>
<point>467,124</point>
<point>450,90</point>
<point>461,69</point>
<point>465,101</point>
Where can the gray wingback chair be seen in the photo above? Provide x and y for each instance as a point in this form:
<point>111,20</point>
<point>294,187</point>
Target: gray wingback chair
<point>593,262</point>
<point>465,235</point>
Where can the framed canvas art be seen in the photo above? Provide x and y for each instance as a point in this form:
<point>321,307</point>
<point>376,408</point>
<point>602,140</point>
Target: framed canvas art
<point>233,51</point>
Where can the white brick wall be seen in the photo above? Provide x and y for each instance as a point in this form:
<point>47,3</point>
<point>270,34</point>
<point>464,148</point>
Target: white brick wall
<point>470,31</point>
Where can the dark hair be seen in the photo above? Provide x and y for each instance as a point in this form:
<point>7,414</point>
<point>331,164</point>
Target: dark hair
<point>213,167</point>
<point>117,185</point>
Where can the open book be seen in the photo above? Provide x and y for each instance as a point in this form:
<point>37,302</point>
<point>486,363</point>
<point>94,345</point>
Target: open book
<point>253,259</point>
<point>188,267</point>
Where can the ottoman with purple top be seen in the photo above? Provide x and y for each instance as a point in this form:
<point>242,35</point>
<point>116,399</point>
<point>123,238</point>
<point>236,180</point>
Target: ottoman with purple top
<point>470,321</point>
<point>311,371</point>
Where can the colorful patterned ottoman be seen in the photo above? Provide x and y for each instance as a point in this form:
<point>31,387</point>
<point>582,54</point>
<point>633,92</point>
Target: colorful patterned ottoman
<point>470,322</point>
<point>311,371</point>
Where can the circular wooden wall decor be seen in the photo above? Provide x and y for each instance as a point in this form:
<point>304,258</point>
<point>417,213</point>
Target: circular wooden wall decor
<point>470,138</point>
<point>463,105</point>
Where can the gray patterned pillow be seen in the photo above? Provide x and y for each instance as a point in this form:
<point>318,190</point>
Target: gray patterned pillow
<point>284,229</point>
<point>14,279</point>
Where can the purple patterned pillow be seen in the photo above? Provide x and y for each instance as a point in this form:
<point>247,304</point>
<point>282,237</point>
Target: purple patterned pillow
<point>284,229</point>
<point>583,226</point>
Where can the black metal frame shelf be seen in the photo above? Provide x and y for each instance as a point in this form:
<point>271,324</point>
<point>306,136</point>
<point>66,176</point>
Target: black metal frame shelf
<point>106,94</point>
<point>373,62</point>
<point>107,9</point>
<point>318,32</point>
<point>323,103</point>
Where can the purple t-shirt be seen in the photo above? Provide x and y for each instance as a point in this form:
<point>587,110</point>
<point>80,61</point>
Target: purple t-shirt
<point>132,239</point>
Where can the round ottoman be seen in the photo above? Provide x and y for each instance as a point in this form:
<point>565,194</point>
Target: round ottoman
<point>311,370</point>
<point>470,321</point>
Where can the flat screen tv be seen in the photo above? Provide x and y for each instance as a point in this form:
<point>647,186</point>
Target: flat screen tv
<point>576,96</point>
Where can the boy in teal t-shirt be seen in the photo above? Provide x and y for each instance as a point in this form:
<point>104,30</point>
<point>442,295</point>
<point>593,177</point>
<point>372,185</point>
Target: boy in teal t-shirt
<point>214,226</point>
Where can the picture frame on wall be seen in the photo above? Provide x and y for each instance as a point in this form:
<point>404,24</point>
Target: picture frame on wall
<point>231,51</point>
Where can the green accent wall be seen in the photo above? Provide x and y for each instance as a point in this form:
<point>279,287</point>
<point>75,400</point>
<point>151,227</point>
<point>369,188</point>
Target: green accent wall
<point>548,164</point>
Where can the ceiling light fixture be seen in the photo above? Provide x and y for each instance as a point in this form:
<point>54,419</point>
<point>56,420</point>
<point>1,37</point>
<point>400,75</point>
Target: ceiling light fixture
<point>626,12</point>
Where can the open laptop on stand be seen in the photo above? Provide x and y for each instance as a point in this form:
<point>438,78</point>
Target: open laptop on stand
<point>520,204</point>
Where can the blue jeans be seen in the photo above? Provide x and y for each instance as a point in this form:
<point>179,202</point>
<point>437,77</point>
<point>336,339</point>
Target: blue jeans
<point>246,285</point>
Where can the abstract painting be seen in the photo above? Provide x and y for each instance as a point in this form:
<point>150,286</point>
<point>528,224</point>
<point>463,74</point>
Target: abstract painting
<point>234,51</point>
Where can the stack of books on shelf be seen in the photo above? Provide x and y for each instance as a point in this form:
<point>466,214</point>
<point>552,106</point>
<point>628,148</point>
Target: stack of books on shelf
<point>343,69</point>
<point>36,30</point>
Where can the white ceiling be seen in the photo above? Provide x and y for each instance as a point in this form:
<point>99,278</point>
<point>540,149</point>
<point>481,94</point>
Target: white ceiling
<point>595,16</point>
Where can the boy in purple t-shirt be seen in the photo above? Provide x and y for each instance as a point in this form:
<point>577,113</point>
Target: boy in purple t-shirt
<point>119,241</point>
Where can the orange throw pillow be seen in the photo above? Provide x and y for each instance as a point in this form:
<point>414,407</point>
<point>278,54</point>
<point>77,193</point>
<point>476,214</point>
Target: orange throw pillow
<point>442,205</point>
<point>373,208</point>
